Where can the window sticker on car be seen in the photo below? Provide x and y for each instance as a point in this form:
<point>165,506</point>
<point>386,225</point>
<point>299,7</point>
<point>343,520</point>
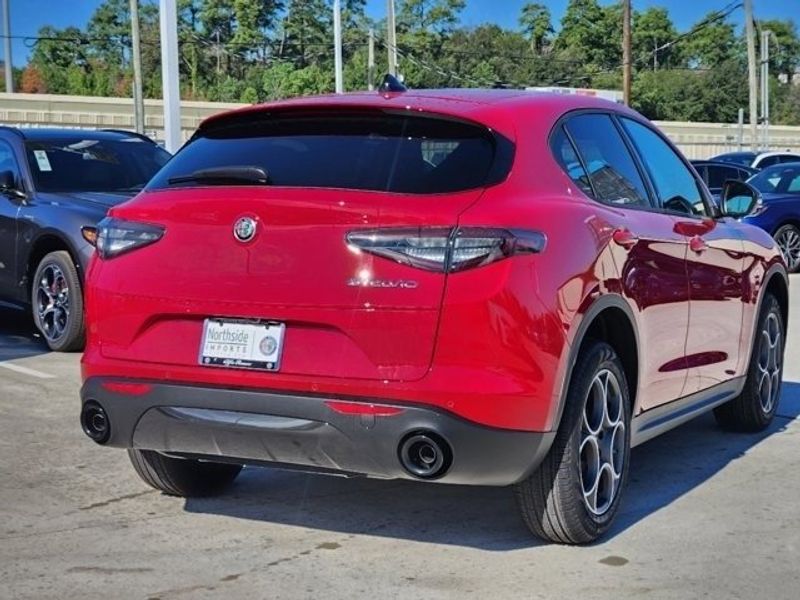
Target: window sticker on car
<point>42,160</point>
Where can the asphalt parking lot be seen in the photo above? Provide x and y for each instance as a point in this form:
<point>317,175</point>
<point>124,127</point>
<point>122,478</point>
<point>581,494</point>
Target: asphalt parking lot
<point>707,514</point>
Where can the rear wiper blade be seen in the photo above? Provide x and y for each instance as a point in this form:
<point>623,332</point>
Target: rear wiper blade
<point>222,175</point>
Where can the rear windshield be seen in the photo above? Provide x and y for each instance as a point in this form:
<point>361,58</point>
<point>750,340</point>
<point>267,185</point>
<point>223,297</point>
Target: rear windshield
<point>86,165</point>
<point>416,155</point>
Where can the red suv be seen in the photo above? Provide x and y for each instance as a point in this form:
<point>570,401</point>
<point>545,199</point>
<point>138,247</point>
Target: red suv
<point>473,287</point>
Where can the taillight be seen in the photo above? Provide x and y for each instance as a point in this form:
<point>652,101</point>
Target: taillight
<point>115,236</point>
<point>445,249</point>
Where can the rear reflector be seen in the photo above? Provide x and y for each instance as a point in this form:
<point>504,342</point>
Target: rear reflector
<point>126,388</point>
<point>362,408</point>
<point>447,250</point>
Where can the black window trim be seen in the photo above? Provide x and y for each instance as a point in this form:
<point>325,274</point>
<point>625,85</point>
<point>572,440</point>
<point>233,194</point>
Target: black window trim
<point>562,121</point>
<point>582,162</point>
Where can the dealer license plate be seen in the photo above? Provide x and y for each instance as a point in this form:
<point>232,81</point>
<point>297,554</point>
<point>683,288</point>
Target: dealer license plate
<point>242,344</point>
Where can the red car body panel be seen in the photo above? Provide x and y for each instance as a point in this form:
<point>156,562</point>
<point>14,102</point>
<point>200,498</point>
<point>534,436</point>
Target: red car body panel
<point>493,345</point>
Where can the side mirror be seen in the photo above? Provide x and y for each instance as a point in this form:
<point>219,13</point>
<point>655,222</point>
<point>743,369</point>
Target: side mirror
<point>739,199</point>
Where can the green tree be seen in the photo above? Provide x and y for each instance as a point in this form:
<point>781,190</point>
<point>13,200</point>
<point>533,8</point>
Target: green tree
<point>536,24</point>
<point>591,34</point>
<point>55,52</point>
<point>711,43</point>
<point>430,16</point>
<point>652,29</point>
<point>784,57</point>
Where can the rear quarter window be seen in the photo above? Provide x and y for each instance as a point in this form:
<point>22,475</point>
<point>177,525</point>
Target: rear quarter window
<point>379,152</point>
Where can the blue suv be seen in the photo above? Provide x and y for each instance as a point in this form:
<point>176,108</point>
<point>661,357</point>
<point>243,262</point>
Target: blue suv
<point>778,210</point>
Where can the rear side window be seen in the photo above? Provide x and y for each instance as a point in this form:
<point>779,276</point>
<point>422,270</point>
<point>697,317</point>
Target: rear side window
<point>613,174</point>
<point>380,152</point>
<point>674,182</point>
<point>566,156</point>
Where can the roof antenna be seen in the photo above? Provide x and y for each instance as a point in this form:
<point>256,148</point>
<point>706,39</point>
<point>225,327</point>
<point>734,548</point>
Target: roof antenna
<point>391,84</point>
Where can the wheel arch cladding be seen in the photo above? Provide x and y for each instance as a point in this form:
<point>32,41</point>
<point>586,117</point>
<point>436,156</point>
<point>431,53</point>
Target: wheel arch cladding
<point>778,287</point>
<point>613,326</point>
<point>608,319</point>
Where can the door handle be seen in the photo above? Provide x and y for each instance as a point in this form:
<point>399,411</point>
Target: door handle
<point>697,244</point>
<point>623,237</point>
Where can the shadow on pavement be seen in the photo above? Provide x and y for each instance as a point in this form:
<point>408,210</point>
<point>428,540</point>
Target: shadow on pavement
<point>18,336</point>
<point>662,471</point>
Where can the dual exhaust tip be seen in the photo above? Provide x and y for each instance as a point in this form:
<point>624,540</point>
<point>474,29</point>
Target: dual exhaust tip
<point>425,455</point>
<point>95,422</point>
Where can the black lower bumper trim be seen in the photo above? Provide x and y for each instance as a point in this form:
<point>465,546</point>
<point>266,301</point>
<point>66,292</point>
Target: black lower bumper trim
<point>304,432</point>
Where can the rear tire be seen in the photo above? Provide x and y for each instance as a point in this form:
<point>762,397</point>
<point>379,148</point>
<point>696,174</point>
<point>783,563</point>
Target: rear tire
<point>754,409</point>
<point>182,477</point>
<point>591,450</point>
<point>57,302</point>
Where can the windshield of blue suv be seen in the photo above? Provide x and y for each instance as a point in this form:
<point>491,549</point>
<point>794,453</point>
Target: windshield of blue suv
<point>780,179</point>
<point>64,165</point>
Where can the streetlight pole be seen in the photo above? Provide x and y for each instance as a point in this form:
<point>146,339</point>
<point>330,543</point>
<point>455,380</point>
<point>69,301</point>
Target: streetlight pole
<point>626,52</point>
<point>751,70</point>
<point>391,37</point>
<point>337,45</point>
<point>170,76</point>
<point>7,46</point>
<point>138,98</point>
<point>765,88</point>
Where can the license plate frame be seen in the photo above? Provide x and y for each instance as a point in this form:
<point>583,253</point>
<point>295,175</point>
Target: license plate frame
<point>241,344</point>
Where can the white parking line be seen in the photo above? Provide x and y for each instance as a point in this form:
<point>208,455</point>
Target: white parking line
<point>26,371</point>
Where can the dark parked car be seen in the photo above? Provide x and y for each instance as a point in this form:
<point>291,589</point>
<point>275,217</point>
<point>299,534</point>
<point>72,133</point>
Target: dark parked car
<point>715,174</point>
<point>55,185</point>
<point>756,160</point>
<point>778,210</point>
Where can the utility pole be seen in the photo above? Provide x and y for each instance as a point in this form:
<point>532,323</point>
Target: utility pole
<point>391,37</point>
<point>138,98</point>
<point>765,88</point>
<point>751,70</point>
<point>7,46</point>
<point>337,45</point>
<point>740,130</point>
<point>218,52</point>
<point>170,76</point>
<point>626,52</point>
<point>371,60</point>
<point>655,54</point>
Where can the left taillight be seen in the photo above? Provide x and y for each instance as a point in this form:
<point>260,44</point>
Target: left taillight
<point>115,236</point>
<point>447,249</point>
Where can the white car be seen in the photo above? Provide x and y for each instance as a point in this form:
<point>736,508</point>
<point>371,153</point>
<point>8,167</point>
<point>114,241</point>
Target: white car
<point>757,160</point>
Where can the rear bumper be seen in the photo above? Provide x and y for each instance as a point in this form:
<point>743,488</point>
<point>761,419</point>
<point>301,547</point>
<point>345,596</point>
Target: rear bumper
<point>304,432</point>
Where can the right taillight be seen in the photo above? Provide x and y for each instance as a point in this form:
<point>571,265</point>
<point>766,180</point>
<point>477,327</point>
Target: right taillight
<point>115,236</point>
<point>447,249</point>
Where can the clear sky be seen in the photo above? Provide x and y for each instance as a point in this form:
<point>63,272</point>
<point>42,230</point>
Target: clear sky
<point>27,16</point>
